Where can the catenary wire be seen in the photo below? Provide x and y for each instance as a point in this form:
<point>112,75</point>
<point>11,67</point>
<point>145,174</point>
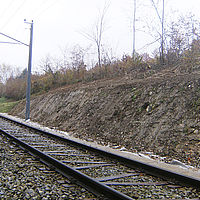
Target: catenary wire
<point>45,9</point>
<point>39,7</point>
<point>13,39</point>
<point>12,16</point>
<point>5,10</point>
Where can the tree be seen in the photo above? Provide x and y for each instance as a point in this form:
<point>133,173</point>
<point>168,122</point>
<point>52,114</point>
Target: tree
<point>77,57</point>
<point>161,18</point>
<point>134,27</point>
<point>77,61</point>
<point>6,71</point>
<point>23,74</point>
<point>181,36</point>
<point>98,30</point>
<point>50,68</point>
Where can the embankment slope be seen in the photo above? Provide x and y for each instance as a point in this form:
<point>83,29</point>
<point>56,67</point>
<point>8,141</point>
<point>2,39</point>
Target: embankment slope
<point>160,113</point>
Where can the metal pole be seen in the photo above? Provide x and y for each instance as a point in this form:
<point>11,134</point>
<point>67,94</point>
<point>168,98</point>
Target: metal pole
<point>162,37</point>
<point>28,89</point>
<point>134,20</point>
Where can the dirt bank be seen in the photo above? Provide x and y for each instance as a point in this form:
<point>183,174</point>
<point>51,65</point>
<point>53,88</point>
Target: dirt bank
<point>160,113</point>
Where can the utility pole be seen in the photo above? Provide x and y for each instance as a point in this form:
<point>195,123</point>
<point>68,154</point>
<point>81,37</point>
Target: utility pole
<point>134,21</point>
<point>28,88</point>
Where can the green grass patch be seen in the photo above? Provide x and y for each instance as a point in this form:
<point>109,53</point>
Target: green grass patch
<point>6,105</point>
<point>3,100</point>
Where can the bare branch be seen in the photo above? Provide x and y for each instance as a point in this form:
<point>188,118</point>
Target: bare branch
<point>154,5</point>
<point>98,30</point>
<point>149,44</point>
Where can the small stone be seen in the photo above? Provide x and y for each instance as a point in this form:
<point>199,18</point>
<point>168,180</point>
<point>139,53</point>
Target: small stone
<point>149,108</point>
<point>21,165</point>
<point>61,181</point>
<point>30,193</point>
<point>40,192</point>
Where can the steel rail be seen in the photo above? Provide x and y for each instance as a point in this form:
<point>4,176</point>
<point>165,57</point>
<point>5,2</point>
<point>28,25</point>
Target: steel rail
<point>81,179</point>
<point>148,168</point>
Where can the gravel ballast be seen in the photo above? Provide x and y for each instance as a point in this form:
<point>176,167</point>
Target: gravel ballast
<point>23,177</point>
<point>23,180</point>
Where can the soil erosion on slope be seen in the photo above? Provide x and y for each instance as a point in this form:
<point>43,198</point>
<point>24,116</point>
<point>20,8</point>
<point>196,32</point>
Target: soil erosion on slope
<point>159,113</point>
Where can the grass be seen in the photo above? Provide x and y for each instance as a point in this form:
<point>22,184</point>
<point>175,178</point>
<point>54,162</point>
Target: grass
<point>6,105</point>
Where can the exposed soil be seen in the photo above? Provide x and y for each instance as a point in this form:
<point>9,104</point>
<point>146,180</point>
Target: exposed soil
<point>158,113</point>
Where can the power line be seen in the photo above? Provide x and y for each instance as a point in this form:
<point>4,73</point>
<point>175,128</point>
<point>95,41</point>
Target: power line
<point>13,39</point>
<point>9,5</point>
<point>15,12</point>
<point>38,7</point>
<point>45,9</point>
<point>8,42</point>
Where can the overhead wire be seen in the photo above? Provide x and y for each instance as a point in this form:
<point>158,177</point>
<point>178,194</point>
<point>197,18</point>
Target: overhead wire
<point>9,5</point>
<point>19,8</point>
<point>12,16</point>
<point>9,43</point>
<point>38,7</point>
<point>47,8</point>
<point>19,42</point>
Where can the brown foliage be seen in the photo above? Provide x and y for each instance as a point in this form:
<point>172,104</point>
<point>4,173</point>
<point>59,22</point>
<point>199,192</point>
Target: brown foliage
<point>15,88</point>
<point>137,67</point>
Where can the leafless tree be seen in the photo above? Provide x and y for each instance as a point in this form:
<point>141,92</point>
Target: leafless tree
<point>77,58</point>
<point>49,66</point>
<point>96,35</point>
<point>7,71</point>
<point>162,19</point>
<point>181,35</point>
<point>134,27</point>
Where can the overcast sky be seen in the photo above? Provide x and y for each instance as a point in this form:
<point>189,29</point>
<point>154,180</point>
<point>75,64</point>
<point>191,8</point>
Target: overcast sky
<point>58,25</point>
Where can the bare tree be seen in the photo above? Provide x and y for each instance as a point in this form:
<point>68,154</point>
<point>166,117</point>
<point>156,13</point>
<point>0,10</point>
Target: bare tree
<point>65,57</point>
<point>77,63</point>
<point>77,57</point>
<point>162,19</point>
<point>134,27</point>
<point>6,72</point>
<point>98,31</point>
<point>49,66</point>
<point>180,36</point>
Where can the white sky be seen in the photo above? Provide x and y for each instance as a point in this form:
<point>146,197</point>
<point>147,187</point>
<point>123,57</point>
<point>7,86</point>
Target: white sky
<point>58,23</point>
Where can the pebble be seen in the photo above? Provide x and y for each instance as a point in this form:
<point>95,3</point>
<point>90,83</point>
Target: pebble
<point>196,131</point>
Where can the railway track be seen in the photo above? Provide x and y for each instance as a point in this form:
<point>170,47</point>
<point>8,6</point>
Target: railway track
<point>107,175</point>
<point>24,177</point>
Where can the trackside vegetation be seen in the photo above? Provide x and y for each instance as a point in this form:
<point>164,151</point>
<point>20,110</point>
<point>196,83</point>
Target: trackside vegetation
<point>6,105</point>
<point>182,52</point>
